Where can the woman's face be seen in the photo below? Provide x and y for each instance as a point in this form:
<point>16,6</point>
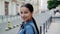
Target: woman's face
<point>25,14</point>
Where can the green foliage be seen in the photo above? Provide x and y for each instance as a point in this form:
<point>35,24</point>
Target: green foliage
<point>52,4</point>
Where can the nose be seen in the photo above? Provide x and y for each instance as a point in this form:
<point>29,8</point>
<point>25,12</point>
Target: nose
<point>22,15</point>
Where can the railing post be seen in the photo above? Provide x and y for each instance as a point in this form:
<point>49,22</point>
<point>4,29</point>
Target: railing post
<point>43,28</point>
<point>40,29</point>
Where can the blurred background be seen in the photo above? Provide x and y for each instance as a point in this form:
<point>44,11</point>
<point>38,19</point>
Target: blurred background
<point>45,12</point>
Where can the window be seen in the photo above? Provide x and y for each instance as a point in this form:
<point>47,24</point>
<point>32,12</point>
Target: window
<point>6,7</point>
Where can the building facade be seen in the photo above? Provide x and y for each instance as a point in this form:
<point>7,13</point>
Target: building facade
<point>12,7</point>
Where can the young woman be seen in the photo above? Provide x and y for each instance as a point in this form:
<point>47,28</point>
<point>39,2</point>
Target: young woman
<point>29,25</point>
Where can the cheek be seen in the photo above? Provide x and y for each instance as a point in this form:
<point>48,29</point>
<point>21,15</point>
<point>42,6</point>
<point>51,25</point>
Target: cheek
<point>25,16</point>
<point>29,16</point>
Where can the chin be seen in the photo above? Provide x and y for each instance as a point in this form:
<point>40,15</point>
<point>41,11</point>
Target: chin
<point>25,20</point>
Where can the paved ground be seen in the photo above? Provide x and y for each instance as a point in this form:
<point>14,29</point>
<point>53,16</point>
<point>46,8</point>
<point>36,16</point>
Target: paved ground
<point>55,26</point>
<point>13,21</point>
<point>54,29</point>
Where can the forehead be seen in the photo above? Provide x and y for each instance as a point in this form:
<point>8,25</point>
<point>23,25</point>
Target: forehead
<point>24,9</point>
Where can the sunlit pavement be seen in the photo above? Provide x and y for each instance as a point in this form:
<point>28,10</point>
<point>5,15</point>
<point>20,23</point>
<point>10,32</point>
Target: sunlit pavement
<point>15,30</point>
<point>55,26</point>
<point>54,29</point>
<point>12,31</point>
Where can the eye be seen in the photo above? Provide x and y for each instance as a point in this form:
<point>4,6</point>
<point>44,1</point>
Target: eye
<point>25,12</point>
<point>21,12</point>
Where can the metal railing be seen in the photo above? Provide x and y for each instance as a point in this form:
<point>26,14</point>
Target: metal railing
<point>44,20</point>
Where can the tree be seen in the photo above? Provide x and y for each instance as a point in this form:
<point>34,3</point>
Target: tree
<point>52,4</point>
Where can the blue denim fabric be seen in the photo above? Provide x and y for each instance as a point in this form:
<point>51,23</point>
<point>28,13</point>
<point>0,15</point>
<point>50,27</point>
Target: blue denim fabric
<point>28,29</point>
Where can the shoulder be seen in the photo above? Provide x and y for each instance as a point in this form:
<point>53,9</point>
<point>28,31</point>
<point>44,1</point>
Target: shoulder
<point>29,26</point>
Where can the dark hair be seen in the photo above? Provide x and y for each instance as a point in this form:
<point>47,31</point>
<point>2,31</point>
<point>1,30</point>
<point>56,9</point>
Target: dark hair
<point>29,6</point>
<point>35,24</point>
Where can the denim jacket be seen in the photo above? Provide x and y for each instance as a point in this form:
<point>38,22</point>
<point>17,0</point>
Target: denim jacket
<point>28,29</point>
